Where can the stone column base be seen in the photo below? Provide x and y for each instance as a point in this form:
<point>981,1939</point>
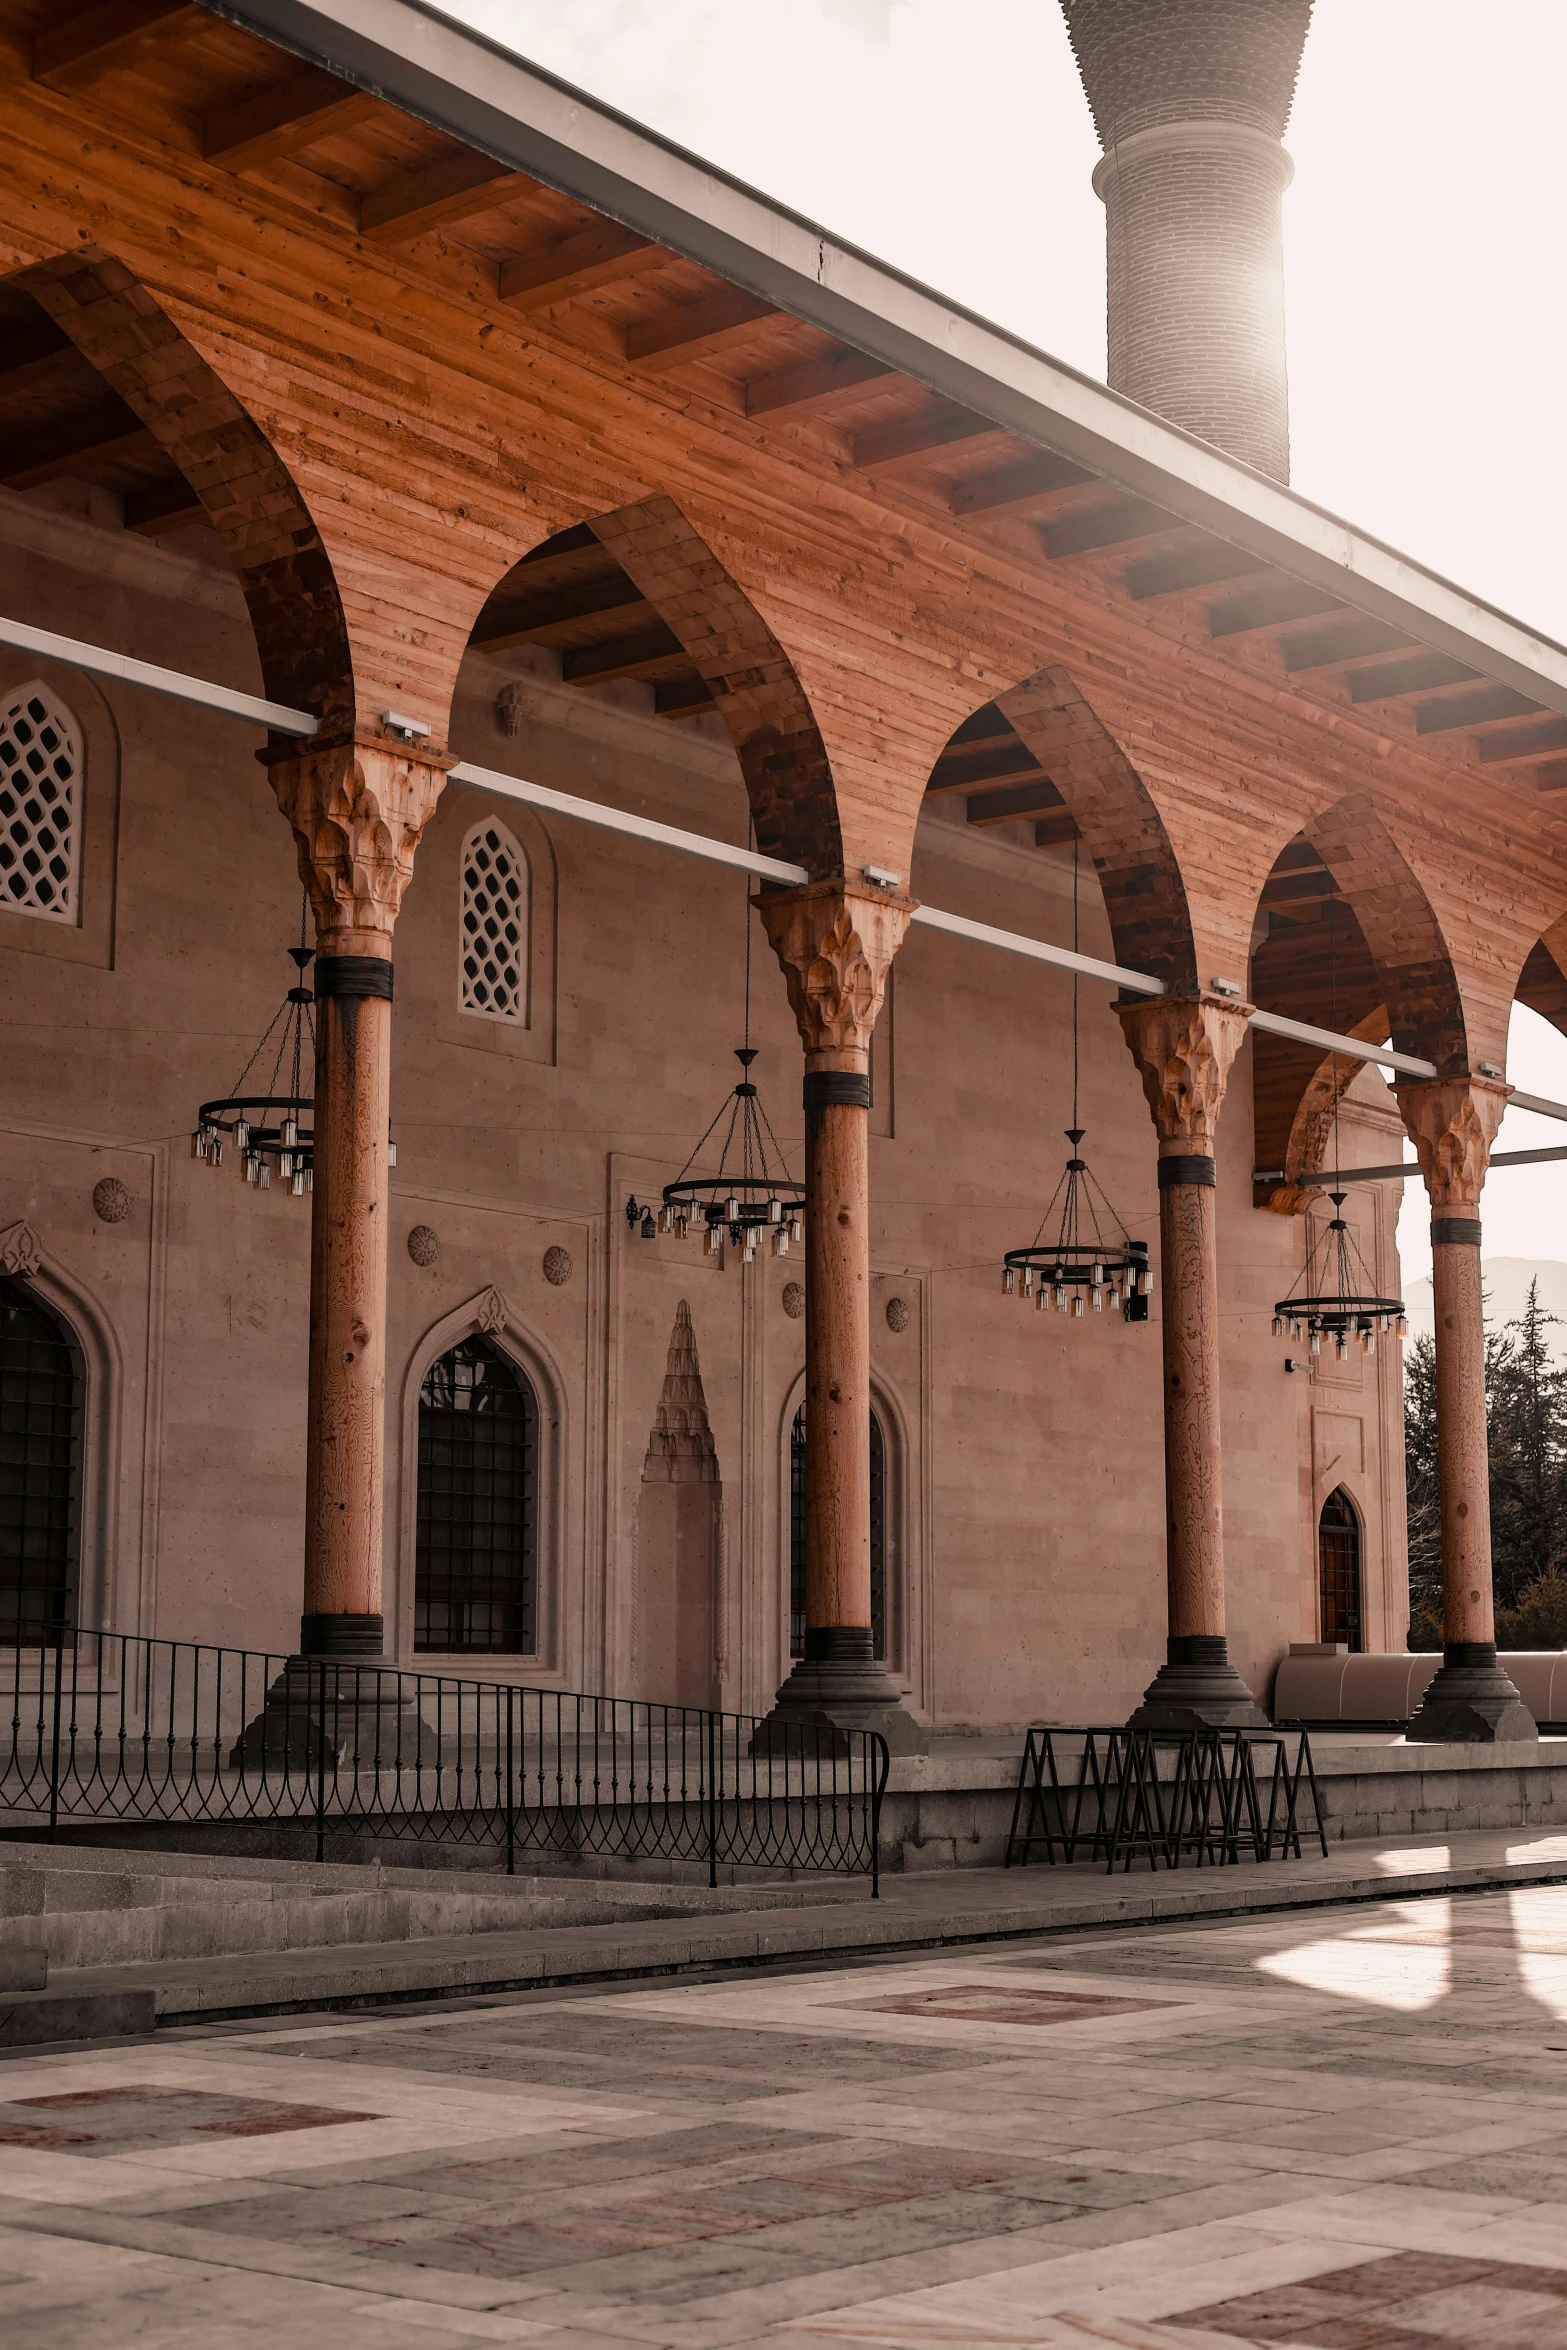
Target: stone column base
<point>343,1710</point>
<point>1470,1701</point>
<point>835,1688</point>
<point>1197,1688</point>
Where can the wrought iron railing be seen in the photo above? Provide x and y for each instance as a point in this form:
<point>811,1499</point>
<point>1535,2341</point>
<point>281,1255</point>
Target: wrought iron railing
<point>111,1728</point>
<point>1208,1796</point>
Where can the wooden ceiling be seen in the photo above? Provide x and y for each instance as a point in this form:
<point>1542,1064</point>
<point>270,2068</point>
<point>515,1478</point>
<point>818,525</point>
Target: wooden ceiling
<point>174,72</point>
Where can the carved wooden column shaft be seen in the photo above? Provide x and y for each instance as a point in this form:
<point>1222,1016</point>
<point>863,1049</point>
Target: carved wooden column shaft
<point>1184,1051</point>
<point>1452,1123</point>
<point>357,809</point>
<point>836,941</point>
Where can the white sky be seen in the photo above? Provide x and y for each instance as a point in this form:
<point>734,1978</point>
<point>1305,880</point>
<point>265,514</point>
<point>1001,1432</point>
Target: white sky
<point>1422,237</point>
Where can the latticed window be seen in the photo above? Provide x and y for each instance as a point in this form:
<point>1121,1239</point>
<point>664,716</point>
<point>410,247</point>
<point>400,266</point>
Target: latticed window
<point>40,806</point>
<point>494,924</point>
<point>40,1446</point>
<point>797,1536</point>
<point>476,1559</point>
<point>1338,1555</point>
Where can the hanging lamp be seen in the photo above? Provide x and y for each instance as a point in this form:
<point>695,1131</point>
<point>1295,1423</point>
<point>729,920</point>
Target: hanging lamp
<point>271,1127</point>
<point>1082,1259</point>
<point>1335,1295</point>
<point>748,1198</point>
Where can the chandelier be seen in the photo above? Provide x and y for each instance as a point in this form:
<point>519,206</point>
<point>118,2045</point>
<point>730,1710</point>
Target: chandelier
<point>1334,1295</point>
<point>271,1126</point>
<point>1082,1259</point>
<point>749,1197</point>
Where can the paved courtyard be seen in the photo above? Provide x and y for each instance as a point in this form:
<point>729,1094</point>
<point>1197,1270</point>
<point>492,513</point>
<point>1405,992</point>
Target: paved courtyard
<point>1343,2127</point>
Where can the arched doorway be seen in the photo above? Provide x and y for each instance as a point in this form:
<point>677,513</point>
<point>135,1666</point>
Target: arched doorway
<point>797,1536</point>
<point>1338,1560</point>
<point>40,1469</point>
<point>476,1544</point>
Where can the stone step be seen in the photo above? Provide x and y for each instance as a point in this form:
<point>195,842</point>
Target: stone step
<point>81,1907</point>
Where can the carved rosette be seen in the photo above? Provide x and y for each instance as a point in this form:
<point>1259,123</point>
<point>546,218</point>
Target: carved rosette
<point>836,941</point>
<point>1452,1123</point>
<point>358,808</point>
<point>1184,1050</point>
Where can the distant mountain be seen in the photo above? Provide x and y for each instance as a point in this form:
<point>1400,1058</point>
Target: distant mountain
<point>1507,1282</point>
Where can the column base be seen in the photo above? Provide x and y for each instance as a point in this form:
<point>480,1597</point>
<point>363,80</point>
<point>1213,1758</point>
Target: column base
<point>835,1688</point>
<point>359,1636</point>
<point>350,1711</point>
<point>1197,1688</point>
<point>1470,1701</point>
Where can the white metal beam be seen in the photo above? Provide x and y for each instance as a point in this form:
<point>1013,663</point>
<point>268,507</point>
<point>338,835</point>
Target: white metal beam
<point>282,720</point>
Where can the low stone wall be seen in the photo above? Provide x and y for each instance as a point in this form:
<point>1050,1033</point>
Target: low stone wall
<point>952,1808</point>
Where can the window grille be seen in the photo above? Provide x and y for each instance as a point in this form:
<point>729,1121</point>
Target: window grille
<point>494,924</point>
<point>40,806</point>
<point>797,1536</point>
<point>475,1564</point>
<point>40,1446</point>
<point>1338,1557</point>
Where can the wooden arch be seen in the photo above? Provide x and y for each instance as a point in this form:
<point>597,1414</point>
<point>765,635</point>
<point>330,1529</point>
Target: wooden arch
<point>1144,891</point>
<point>248,494</point>
<point>747,673</point>
<point>1414,965</point>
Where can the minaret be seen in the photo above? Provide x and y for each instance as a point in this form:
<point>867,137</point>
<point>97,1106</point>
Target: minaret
<point>1190,99</point>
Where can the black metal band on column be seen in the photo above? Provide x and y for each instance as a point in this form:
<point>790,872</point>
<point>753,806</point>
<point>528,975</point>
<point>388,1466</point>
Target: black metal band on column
<point>1196,1168</point>
<point>353,975</point>
<point>846,1089</point>
<point>1455,1232</point>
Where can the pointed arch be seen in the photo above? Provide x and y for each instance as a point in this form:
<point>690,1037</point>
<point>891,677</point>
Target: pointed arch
<point>248,493</point>
<point>1419,983</point>
<point>1144,891</point>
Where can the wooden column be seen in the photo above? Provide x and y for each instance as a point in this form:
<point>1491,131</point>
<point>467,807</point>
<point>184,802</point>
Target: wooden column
<point>1452,1122</point>
<point>836,941</point>
<point>1184,1051</point>
<point>357,808</point>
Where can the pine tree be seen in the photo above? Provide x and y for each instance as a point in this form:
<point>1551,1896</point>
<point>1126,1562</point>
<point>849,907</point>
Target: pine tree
<point>1526,1420</point>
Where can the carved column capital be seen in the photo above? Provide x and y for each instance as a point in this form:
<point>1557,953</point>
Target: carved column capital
<point>358,807</point>
<point>836,941</point>
<point>1452,1123</point>
<point>1184,1048</point>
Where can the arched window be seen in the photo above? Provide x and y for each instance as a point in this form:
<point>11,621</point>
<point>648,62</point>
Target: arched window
<point>40,1460</point>
<point>40,805</point>
<point>476,1550</point>
<point>494,939</point>
<point>797,1536</point>
<point>1338,1557</point>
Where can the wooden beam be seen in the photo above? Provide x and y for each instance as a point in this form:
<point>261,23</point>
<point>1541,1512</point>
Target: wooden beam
<point>1018,800</point>
<point>30,355</point>
<point>1512,750</point>
<point>66,444</point>
<point>941,424</point>
<point>1269,606</point>
<point>1552,776</point>
<point>1390,680</point>
<point>1345,640</point>
<point>682,697</point>
<point>1057,831</point>
<point>256,131</point>
<point>451,188</point>
<point>984,726</point>
<point>161,506</point>
<point>642,655</point>
<point>529,619</point>
<point>1481,708</point>
<point>1106,526</point>
<point>599,256</point>
<point>814,384</point>
<point>699,330</point>
<point>987,764</point>
<point>1017,488</point>
<point>73,54</point>
<point>1208,564</point>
